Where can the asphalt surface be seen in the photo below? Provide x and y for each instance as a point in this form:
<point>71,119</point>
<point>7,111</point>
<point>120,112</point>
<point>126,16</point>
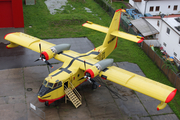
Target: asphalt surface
<point>20,81</point>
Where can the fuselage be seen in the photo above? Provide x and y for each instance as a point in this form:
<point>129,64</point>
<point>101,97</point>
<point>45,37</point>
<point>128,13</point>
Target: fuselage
<point>70,73</point>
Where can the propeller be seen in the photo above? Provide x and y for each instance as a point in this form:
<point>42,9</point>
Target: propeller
<point>88,77</point>
<point>42,57</point>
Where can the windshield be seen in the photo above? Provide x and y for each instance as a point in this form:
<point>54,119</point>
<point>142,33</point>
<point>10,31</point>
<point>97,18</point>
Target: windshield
<point>44,82</point>
<point>50,85</point>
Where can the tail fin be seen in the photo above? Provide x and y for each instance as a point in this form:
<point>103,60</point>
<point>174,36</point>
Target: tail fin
<point>114,26</point>
<point>110,41</point>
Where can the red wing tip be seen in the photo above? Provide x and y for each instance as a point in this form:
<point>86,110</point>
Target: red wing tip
<point>118,10</point>
<point>8,47</point>
<point>140,41</point>
<point>83,24</point>
<point>171,96</point>
<point>157,109</point>
<point>8,34</point>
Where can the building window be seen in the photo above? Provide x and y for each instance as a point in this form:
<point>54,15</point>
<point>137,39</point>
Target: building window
<point>164,44</point>
<point>175,54</point>
<point>151,9</point>
<point>169,6</point>
<point>175,7</point>
<point>168,31</point>
<point>158,23</point>
<point>157,8</point>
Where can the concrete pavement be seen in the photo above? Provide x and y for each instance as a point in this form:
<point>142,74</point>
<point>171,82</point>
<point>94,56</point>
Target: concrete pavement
<point>99,104</point>
<point>20,83</point>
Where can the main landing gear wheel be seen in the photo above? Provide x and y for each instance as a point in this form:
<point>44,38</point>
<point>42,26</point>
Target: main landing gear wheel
<point>94,86</point>
<point>46,103</point>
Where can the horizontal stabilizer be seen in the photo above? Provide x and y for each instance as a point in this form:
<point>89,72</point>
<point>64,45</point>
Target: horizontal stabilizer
<point>133,38</point>
<point>96,27</point>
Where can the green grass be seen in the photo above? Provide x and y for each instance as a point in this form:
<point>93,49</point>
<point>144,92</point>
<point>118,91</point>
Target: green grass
<point>68,23</point>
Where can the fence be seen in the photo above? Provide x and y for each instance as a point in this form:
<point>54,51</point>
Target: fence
<point>171,75</point>
<point>125,18</point>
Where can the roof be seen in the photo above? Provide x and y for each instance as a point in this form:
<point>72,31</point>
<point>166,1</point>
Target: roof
<point>159,17</point>
<point>161,0</point>
<point>169,20</point>
<point>144,27</point>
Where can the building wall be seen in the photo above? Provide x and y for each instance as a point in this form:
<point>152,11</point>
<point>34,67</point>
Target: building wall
<point>154,23</point>
<point>144,6</point>
<point>165,7</point>
<point>11,13</point>
<point>169,42</point>
<point>138,5</point>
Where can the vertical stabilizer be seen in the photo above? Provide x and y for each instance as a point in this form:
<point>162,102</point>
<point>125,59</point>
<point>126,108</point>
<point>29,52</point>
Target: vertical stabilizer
<point>110,41</point>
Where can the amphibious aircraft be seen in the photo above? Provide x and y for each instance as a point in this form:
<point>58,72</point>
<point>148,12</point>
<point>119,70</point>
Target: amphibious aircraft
<point>78,68</point>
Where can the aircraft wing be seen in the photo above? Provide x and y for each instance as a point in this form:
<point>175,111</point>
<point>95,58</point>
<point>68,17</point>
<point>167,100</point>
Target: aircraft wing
<point>30,42</point>
<point>141,84</point>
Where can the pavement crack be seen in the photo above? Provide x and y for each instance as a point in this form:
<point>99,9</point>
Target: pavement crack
<point>143,106</point>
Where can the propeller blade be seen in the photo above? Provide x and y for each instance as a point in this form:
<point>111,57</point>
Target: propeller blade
<point>48,63</point>
<point>85,64</point>
<point>40,47</point>
<point>37,59</point>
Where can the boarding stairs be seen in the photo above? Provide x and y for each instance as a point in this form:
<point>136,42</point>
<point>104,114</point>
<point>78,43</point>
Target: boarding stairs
<point>73,95</point>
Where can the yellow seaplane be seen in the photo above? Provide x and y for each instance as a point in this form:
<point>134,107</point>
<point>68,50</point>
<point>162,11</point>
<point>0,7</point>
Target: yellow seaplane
<point>78,68</point>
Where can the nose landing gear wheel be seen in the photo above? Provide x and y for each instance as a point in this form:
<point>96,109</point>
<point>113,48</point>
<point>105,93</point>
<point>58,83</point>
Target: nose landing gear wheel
<point>46,103</point>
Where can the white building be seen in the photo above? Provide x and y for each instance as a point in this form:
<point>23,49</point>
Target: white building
<point>169,33</point>
<point>156,7</point>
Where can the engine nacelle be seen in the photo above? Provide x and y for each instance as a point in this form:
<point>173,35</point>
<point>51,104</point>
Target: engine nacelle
<point>99,66</point>
<point>50,53</point>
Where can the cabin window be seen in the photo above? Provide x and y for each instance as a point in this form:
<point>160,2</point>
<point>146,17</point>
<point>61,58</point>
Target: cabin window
<point>175,54</point>
<point>169,6</point>
<point>60,84</point>
<point>168,31</point>
<point>157,8</point>
<point>55,85</point>
<point>179,40</point>
<point>175,7</point>
<point>151,9</point>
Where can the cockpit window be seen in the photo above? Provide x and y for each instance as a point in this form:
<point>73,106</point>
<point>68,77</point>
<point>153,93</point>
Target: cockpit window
<point>45,82</point>
<point>50,85</point>
<point>55,85</point>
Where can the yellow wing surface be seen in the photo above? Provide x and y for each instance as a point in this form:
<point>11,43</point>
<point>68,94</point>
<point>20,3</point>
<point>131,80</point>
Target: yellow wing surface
<point>141,84</point>
<point>27,41</point>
